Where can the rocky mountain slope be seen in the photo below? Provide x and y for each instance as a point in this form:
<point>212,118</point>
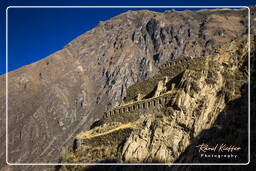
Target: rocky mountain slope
<point>52,100</point>
<point>181,107</point>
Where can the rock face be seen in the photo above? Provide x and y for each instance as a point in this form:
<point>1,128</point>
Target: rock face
<point>50,101</point>
<point>201,94</point>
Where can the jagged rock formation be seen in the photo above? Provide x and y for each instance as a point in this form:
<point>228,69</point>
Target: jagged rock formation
<point>164,132</point>
<point>51,100</point>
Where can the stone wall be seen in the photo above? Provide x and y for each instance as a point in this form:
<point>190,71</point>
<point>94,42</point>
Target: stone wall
<point>181,63</point>
<point>171,69</point>
<point>143,105</point>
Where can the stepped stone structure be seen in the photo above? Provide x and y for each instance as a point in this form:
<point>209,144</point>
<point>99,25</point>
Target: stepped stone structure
<point>157,97</point>
<point>172,63</point>
<point>161,91</point>
<point>149,95</point>
<point>171,69</point>
<point>143,105</point>
<point>135,108</point>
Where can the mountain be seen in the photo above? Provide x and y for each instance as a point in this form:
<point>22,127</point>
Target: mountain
<point>52,100</point>
<point>179,110</point>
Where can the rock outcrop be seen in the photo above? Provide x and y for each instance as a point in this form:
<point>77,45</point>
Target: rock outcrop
<point>202,94</point>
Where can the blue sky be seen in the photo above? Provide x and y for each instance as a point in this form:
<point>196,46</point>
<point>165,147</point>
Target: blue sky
<point>34,34</point>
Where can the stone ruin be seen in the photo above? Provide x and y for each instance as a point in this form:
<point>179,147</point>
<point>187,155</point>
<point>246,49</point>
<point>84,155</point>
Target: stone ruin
<point>144,105</point>
<point>159,99</point>
<point>171,69</point>
<point>160,96</point>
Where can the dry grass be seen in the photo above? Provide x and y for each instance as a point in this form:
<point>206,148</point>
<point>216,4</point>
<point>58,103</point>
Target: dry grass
<point>90,134</point>
<point>224,57</point>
